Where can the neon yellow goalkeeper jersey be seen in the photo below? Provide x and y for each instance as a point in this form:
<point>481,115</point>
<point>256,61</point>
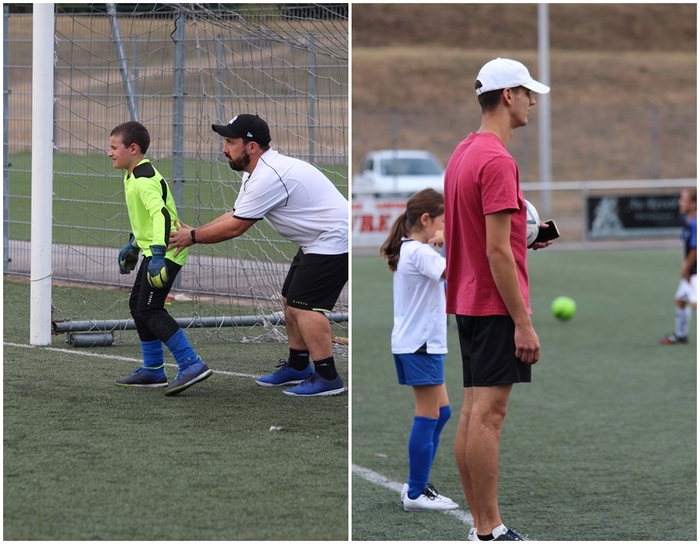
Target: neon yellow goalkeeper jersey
<point>152,210</point>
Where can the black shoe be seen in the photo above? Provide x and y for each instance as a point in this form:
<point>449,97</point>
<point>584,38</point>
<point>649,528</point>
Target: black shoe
<point>673,339</point>
<point>510,534</point>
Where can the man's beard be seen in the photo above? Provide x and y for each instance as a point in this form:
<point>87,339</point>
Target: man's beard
<point>240,163</point>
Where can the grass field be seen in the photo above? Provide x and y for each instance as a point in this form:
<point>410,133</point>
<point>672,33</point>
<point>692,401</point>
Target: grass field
<point>86,460</point>
<point>600,446</point>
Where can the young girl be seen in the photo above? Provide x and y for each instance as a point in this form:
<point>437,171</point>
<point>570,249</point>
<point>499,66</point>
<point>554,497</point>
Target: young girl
<point>419,337</point>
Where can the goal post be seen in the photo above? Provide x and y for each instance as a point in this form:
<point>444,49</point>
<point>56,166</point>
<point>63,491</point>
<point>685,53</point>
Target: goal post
<point>178,68</point>
<point>42,175</point>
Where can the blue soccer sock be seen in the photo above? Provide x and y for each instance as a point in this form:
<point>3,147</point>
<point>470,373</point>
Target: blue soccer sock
<point>181,349</point>
<point>420,454</point>
<point>153,358</point>
<point>445,413</point>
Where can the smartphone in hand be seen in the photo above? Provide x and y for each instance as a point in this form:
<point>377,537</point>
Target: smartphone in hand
<point>549,233</point>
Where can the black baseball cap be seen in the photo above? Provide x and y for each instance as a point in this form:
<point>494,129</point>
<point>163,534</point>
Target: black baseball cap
<point>246,126</point>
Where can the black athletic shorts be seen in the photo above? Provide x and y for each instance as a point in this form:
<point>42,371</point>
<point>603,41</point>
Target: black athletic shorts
<point>314,281</point>
<point>488,351</point>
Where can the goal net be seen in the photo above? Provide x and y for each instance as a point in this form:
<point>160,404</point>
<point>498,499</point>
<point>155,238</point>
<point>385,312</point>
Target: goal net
<point>178,69</point>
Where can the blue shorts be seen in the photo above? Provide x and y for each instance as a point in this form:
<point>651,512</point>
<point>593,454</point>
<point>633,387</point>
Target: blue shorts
<point>420,368</point>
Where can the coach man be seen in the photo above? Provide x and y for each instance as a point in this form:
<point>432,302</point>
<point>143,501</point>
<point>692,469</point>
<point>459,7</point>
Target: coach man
<point>304,206</point>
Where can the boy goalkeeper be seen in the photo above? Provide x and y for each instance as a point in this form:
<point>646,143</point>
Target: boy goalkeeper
<point>152,213</point>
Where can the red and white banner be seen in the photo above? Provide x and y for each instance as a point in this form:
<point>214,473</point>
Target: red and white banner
<point>372,219</point>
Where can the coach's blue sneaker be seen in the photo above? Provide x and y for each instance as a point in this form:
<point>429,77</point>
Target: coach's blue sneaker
<point>316,386</point>
<point>144,377</point>
<point>285,375</point>
<point>188,376</point>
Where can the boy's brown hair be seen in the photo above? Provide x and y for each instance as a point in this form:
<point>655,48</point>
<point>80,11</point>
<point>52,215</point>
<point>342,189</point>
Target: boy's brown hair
<point>133,132</point>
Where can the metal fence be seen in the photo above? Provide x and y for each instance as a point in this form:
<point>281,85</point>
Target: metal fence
<point>178,69</point>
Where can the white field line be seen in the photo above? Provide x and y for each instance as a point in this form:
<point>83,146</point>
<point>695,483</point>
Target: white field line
<point>378,479</point>
<point>115,358</point>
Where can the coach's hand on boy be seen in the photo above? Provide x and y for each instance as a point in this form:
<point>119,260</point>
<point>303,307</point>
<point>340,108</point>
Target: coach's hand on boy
<point>181,238</point>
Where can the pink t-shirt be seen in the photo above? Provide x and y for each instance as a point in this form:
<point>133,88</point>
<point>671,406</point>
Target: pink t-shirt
<point>481,178</point>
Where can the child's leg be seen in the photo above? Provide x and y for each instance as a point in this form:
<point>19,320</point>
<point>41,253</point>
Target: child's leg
<point>151,346</point>
<point>153,322</point>
<point>421,440</point>
<point>420,454</point>
<point>444,415</point>
<point>685,295</point>
<point>684,316</point>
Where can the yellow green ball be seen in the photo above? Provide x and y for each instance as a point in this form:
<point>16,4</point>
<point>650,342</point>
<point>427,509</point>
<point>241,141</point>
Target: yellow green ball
<point>563,308</point>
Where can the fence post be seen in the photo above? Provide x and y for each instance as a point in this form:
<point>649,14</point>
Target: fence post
<point>220,52</point>
<point>655,151</point>
<point>6,140</point>
<point>179,118</point>
<point>123,65</point>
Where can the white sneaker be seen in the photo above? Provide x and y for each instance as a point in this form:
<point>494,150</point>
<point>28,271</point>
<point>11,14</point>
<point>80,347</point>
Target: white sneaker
<point>435,492</point>
<point>404,493</point>
<point>427,501</point>
<point>472,534</point>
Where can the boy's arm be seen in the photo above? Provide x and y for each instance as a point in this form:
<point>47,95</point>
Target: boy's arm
<point>689,262</point>
<point>151,194</point>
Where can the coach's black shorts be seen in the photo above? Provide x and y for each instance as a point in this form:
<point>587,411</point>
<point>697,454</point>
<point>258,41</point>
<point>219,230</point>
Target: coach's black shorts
<point>488,351</point>
<point>314,281</point>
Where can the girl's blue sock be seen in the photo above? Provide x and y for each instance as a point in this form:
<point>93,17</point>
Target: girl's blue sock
<point>445,413</point>
<point>181,349</point>
<point>420,454</point>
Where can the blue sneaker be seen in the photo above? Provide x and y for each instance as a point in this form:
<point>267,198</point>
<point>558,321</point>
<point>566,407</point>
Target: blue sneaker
<point>285,375</point>
<point>188,376</point>
<point>144,377</point>
<point>316,386</point>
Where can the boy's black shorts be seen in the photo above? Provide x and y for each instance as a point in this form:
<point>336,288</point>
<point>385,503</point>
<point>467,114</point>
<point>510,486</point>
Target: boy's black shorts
<point>488,351</point>
<point>314,281</point>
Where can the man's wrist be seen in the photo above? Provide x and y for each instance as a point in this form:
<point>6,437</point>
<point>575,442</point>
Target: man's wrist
<point>193,237</point>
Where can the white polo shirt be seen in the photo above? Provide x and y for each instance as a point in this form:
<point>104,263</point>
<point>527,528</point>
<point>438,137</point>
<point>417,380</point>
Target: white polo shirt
<point>298,201</point>
<point>419,300</point>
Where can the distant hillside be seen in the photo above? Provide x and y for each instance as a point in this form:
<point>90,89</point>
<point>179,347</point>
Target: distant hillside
<point>623,78</point>
<point>583,27</point>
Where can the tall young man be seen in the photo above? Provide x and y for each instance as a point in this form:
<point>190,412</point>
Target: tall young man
<point>487,282</point>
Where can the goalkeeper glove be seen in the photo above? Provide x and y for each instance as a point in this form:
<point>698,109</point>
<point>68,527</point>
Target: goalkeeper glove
<point>129,256</point>
<point>157,269</point>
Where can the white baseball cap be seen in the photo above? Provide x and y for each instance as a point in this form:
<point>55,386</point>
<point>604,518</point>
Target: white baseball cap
<point>506,74</point>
